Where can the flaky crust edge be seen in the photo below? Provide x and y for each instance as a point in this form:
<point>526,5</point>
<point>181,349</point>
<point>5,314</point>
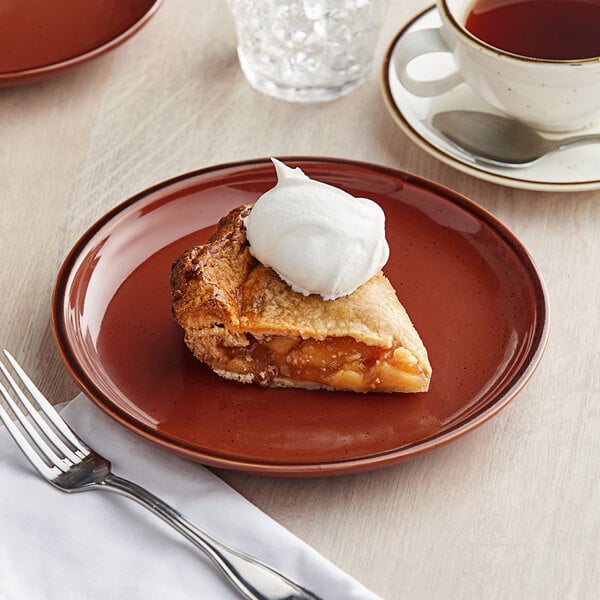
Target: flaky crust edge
<point>219,291</point>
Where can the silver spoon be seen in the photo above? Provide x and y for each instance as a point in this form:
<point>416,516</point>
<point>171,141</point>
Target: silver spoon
<point>500,140</point>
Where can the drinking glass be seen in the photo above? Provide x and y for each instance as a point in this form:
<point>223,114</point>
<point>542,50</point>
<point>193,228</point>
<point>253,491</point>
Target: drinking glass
<point>307,50</point>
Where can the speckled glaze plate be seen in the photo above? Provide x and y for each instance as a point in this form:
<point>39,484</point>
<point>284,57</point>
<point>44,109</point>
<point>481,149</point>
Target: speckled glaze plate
<point>469,285</point>
<point>42,38</point>
<point>575,169</point>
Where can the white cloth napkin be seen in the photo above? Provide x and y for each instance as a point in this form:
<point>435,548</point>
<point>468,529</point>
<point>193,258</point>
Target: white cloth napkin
<point>96,545</point>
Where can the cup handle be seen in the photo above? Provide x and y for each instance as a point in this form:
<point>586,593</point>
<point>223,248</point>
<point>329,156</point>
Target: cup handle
<point>417,43</point>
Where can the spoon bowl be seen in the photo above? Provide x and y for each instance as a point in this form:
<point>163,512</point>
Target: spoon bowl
<point>499,140</point>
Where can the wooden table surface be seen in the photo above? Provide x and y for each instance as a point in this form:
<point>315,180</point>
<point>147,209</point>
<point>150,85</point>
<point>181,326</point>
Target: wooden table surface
<point>510,510</point>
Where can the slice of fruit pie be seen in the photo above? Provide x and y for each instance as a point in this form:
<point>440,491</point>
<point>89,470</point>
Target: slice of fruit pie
<point>255,310</point>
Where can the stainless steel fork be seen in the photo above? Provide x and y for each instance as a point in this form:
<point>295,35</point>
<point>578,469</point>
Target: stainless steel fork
<point>72,466</point>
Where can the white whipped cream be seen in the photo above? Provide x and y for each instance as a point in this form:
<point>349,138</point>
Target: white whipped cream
<point>316,237</point>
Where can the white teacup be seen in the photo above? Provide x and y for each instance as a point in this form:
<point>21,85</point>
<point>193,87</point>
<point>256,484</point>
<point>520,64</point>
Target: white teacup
<point>550,95</point>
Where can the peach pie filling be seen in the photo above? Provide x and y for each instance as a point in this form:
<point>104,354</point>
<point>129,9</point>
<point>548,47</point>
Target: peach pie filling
<point>336,362</point>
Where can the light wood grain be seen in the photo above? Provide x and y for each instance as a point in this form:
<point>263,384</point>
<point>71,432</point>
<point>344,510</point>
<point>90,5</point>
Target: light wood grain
<point>509,511</point>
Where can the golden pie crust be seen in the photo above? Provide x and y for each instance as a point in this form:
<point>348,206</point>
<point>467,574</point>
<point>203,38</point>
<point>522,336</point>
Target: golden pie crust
<point>247,324</point>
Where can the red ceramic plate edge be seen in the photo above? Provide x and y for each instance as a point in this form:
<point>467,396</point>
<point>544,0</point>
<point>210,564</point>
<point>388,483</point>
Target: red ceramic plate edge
<point>43,72</point>
<point>337,467</point>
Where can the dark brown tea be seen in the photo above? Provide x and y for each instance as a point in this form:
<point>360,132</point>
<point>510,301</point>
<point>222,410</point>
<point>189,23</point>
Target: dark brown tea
<point>551,29</point>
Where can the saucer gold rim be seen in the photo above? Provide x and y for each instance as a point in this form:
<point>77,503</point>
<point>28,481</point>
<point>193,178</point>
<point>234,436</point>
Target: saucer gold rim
<point>510,177</point>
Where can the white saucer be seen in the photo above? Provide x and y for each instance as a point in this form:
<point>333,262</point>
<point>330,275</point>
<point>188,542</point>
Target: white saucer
<point>575,169</point>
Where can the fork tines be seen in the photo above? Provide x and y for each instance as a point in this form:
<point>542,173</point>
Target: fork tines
<point>57,446</point>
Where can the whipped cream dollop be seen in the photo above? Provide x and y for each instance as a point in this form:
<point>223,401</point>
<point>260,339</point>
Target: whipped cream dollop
<point>318,238</point>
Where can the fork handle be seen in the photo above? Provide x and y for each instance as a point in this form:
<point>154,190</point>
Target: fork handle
<point>251,578</point>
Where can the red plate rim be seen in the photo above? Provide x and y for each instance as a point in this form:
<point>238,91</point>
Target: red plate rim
<point>334,467</point>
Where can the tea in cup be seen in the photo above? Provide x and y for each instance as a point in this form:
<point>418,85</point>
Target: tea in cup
<point>536,60</point>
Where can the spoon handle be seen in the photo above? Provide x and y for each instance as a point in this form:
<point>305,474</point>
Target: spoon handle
<point>578,140</point>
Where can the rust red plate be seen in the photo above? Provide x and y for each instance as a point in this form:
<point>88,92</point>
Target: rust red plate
<point>42,38</point>
<point>471,288</point>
